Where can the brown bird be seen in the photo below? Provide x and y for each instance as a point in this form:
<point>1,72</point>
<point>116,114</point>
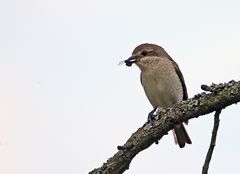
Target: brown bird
<point>162,81</point>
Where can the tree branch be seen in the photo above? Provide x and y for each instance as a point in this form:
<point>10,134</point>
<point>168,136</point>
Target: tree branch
<point>212,143</point>
<point>221,96</point>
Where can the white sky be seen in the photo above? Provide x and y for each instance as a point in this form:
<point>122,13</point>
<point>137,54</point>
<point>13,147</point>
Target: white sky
<point>65,105</point>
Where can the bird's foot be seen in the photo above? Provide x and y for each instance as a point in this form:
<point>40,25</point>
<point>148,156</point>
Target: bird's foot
<point>151,116</point>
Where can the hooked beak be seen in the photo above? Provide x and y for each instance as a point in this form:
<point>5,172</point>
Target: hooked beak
<point>131,60</point>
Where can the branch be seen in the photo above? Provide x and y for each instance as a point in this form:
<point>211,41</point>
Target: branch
<point>212,143</point>
<point>221,96</point>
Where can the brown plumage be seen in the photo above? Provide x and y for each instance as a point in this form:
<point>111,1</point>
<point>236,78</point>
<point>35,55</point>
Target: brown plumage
<point>162,81</point>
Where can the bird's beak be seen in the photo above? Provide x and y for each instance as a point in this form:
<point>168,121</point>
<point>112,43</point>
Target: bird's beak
<point>131,60</point>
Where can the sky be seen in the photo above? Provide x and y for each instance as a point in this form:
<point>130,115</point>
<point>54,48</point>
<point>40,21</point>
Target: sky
<point>65,104</point>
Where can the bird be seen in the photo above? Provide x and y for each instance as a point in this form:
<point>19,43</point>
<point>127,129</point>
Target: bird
<point>162,82</point>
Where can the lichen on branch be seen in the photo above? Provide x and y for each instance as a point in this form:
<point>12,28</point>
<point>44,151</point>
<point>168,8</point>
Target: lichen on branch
<point>218,97</point>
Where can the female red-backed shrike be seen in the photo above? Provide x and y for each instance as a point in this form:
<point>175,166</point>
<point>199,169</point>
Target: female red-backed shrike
<point>162,81</point>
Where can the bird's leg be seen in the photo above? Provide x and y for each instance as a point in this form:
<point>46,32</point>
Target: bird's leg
<point>151,115</point>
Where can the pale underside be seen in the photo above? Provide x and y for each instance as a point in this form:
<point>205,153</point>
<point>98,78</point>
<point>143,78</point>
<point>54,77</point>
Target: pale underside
<point>163,86</point>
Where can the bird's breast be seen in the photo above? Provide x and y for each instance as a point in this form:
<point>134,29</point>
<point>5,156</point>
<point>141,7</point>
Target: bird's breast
<point>162,86</point>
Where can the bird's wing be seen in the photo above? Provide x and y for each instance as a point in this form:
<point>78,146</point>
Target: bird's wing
<point>179,73</point>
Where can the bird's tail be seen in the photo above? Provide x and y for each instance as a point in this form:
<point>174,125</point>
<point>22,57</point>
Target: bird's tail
<point>181,136</point>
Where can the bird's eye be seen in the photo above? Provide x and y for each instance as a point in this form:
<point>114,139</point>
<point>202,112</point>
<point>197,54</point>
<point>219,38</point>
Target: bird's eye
<point>144,53</point>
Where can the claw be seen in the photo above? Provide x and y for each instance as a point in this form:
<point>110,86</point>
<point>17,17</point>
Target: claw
<point>151,116</point>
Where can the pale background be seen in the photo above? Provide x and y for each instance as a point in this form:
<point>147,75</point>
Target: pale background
<point>65,104</point>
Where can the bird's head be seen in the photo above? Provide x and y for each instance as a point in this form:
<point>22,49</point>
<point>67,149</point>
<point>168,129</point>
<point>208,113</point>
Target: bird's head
<point>145,54</point>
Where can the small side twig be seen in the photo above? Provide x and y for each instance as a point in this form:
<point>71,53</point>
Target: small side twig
<point>212,143</point>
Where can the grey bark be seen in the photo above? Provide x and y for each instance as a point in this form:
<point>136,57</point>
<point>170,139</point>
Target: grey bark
<point>218,97</point>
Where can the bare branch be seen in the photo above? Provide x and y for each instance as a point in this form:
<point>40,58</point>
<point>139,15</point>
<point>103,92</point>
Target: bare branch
<point>221,96</point>
<point>212,143</point>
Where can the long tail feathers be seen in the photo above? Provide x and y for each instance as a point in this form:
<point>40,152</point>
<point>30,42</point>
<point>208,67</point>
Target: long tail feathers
<point>181,136</point>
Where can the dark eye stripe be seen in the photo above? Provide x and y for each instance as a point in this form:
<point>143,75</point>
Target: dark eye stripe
<point>144,53</point>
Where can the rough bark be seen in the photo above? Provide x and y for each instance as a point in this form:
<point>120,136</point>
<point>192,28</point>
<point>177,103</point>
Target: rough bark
<point>220,96</point>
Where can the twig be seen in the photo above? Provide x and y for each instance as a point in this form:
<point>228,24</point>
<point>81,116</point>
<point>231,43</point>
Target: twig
<point>212,143</point>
